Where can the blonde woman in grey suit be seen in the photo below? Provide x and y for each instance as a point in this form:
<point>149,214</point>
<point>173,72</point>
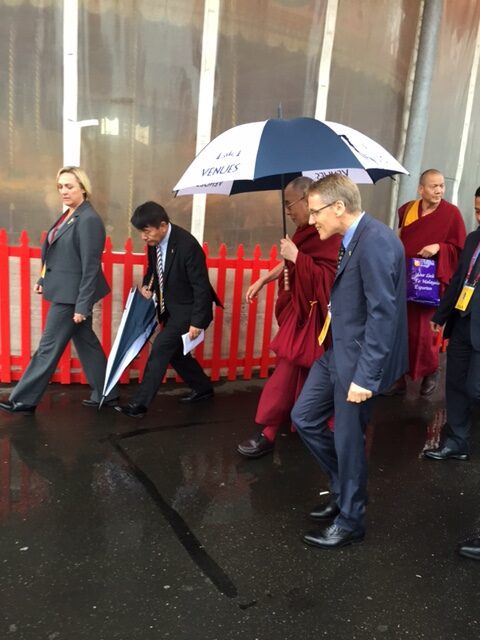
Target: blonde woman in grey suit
<point>72,281</point>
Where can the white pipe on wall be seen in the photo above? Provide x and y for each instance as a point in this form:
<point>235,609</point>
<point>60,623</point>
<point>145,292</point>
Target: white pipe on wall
<point>71,132</point>
<point>205,103</point>
<point>71,126</point>
<point>326,60</point>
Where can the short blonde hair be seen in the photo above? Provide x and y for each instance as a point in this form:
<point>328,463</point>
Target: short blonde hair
<point>82,179</point>
<point>338,187</point>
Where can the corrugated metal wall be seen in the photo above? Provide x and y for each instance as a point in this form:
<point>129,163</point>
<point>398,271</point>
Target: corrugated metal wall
<point>139,70</point>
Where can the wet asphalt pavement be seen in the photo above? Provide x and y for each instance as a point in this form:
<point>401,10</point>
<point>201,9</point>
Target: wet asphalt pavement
<point>114,528</point>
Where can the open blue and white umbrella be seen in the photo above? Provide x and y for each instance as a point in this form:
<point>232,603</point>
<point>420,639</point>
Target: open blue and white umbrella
<point>260,156</point>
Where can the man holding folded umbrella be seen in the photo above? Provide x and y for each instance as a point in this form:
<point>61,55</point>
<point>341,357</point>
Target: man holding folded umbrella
<point>177,275</point>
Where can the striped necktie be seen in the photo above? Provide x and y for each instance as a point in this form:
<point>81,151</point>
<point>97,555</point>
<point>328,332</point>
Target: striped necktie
<point>161,302</point>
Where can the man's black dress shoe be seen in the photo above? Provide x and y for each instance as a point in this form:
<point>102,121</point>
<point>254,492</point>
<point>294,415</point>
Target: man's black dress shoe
<point>429,384</point>
<point>93,403</point>
<point>196,396</point>
<point>325,510</point>
<point>470,549</point>
<point>333,537</point>
<point>256,447</point>
<point>17,407</point>
<point>444,453</point>
<point>131,410</point>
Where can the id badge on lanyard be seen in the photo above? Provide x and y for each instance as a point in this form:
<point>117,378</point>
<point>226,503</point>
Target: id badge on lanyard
<point>468,287</point>
<point>326,326</point>
<point>465,296</point>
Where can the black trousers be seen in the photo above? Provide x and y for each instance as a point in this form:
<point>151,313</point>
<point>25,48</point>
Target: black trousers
<point>167,349</point>
<point>462,384</point>
<point>341,454</point>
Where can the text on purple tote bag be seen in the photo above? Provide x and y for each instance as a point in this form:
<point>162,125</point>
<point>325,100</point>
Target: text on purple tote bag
<point>422,285</point>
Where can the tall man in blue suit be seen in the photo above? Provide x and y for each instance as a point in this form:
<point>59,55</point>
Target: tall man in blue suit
<point>367,353</point>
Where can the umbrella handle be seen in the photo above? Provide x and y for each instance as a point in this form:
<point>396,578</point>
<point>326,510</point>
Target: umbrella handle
<point>286,280</point>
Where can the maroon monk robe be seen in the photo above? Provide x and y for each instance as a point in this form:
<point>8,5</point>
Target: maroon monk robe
<point>314,251</point>
<point>444,226</point>
<point>311,278</point>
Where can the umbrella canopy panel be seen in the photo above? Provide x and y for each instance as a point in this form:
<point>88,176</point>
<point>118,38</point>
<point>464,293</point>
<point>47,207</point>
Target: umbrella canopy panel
<point>303,144</point>
<point>261,156</point>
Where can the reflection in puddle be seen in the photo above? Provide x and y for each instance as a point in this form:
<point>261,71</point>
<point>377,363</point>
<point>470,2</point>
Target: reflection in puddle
<point>434,431</point>
<point>21,489</point>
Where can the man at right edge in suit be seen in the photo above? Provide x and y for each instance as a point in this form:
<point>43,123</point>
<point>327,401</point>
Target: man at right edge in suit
<point>366,352</point>
<point>459,312</point>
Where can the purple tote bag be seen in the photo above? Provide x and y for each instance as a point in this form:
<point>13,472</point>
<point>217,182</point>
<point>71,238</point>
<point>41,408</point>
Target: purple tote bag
<point>422,285</point>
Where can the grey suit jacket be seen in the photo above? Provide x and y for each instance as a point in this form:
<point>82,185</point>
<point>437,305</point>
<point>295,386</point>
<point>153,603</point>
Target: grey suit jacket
<point>72,262</point>
<point>369,310</point>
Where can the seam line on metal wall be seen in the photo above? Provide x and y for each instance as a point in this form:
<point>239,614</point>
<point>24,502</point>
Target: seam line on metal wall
<point>468,118</point>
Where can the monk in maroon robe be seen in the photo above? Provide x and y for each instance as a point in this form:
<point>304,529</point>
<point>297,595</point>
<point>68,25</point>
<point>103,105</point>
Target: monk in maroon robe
<point>430,228</point>
<point>300,313</point>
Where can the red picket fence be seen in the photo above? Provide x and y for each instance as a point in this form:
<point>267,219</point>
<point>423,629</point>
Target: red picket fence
<point>236,344</point>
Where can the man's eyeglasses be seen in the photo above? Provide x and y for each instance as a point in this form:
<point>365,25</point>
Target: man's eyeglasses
<point>289,205</point>
<point>315,211</point>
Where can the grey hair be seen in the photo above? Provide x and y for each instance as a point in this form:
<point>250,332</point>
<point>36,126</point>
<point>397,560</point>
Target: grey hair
<point>301,184</point>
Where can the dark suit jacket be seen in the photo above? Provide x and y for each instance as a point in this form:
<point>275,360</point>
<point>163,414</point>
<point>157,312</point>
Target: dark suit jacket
<point>73,269</point>
<point>445,314</point>
<point>187,291</point>
<point>369,311</point>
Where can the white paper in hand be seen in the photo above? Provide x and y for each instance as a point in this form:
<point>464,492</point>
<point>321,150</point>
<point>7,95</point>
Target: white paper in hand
<point>189,344</point>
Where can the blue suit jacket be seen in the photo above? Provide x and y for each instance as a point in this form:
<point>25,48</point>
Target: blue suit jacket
<point>369,310</point>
